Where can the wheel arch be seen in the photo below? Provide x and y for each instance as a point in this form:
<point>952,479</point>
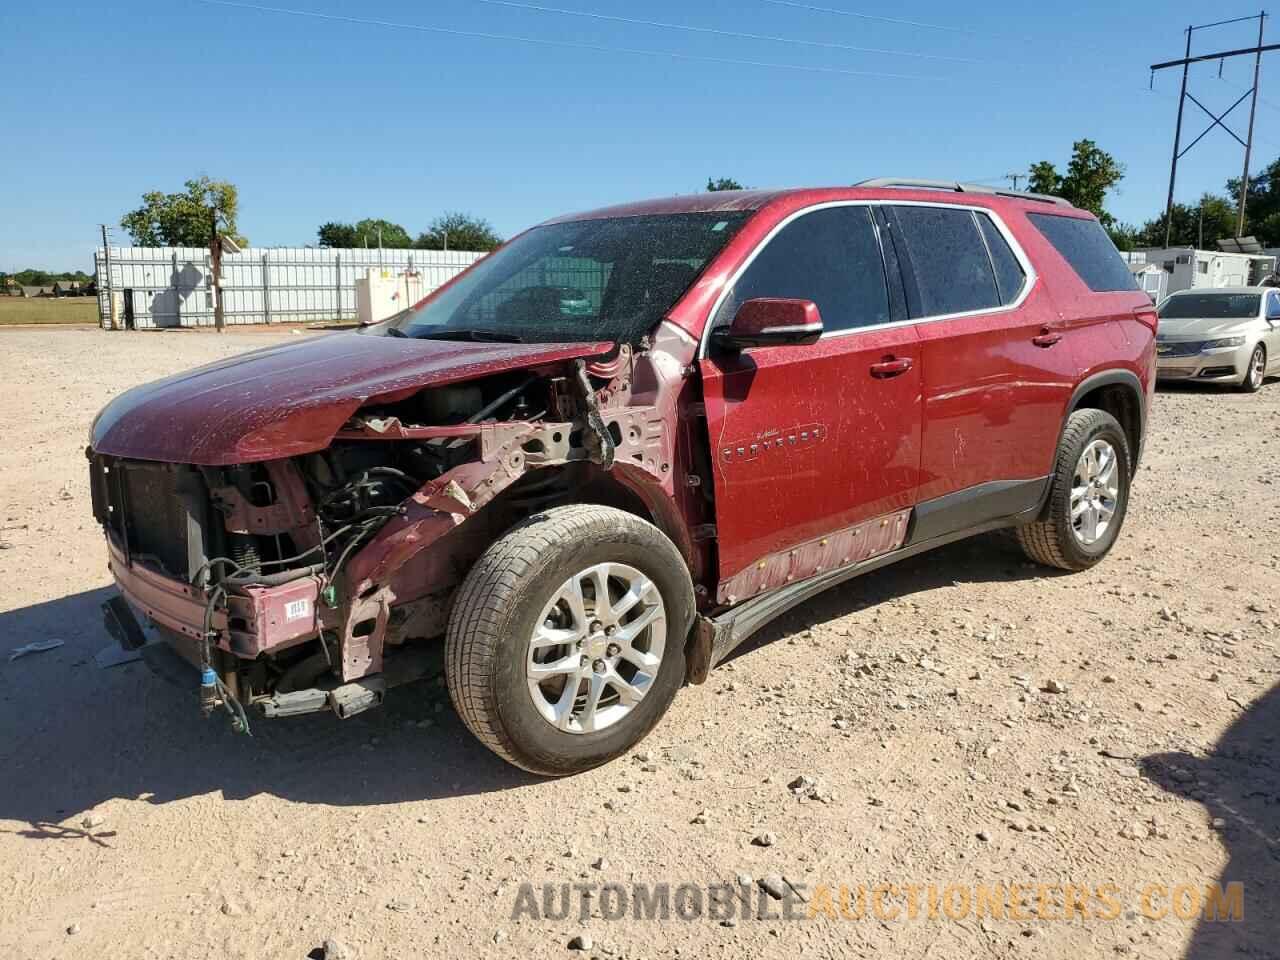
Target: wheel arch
<point>628,489</point>
<point>1119,393</point>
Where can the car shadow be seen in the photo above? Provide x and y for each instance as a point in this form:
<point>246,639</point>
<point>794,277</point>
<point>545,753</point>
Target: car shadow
<point>1192,386</point>
<point>986,558</point>
<point>1238,784</point>
<point>76,735</point>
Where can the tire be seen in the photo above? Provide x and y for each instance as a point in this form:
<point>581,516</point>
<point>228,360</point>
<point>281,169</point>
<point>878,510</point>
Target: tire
<point>518,589</point>
<point>1056,541</point>
<point>1256,372</point>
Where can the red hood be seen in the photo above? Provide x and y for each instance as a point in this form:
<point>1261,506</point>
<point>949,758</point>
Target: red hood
<point>289,400</point>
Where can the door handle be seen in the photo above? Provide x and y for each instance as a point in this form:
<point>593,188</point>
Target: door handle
<point>1046,338</point>
<point>891,367</point>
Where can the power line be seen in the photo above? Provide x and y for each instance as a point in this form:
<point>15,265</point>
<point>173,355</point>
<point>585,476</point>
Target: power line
<point>516,4</point>
<point>867,16</point>
<point>572,44</point>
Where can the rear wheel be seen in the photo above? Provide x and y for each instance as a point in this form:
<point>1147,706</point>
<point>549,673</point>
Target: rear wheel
<point>1088,496</point>
<point>1257,371</point>
<point>566,642</point>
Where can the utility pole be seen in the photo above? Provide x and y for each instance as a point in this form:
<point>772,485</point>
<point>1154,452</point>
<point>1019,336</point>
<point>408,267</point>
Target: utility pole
<point>1217,118</point>
<point>1177,140</point>
<point>111,295</point>
<point>1253,110</point>
<point>215,261</point>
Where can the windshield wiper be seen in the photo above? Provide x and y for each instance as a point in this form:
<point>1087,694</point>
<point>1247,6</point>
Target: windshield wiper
<point>475,336</point>
<point>396,332</point>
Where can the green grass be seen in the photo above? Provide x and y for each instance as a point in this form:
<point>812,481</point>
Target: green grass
<point>15,310</point>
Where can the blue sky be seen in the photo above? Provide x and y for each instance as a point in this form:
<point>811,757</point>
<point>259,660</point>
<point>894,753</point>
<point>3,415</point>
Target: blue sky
<point>318,120</point>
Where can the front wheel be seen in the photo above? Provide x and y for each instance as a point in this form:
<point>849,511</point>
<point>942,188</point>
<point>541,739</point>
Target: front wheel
<point>1088,496</point>
<point>566,641</point>
<point>1257,371</point>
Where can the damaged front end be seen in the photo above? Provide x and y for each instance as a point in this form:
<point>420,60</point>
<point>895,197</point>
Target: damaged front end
<point>316,581</point>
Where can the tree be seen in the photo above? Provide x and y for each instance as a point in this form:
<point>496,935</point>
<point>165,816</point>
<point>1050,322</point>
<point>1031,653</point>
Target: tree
<point>185,219</point>
<point>1044,178</point>
<point>372,233</point>
<point>1090,174</point>
<point>1262,205</point>
<point>723,183</point>
<point>339,235</point>
<point>1194,225</point>
<point>459,231</point>
<point>1125,236</point>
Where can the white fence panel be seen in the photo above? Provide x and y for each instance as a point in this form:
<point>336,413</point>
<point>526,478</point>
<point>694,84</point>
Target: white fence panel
<point>169,286</point>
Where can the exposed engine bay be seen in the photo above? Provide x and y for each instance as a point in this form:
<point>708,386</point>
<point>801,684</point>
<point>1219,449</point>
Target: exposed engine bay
<point>322,578</point>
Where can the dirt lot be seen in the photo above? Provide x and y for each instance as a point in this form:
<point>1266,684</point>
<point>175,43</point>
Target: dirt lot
<point>914,698</point>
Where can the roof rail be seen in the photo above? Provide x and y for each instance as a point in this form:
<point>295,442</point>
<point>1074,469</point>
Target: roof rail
<point>956,186</point>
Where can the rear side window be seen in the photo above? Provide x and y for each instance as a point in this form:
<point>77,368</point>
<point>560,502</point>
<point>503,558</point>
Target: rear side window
<point>949,258</point>
<point>831,257</point>
<point>1010,277</point>
<point>1086,246</point>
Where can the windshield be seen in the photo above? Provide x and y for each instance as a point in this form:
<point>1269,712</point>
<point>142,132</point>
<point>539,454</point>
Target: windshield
<point>1209,306</point>
<point>608,279</point>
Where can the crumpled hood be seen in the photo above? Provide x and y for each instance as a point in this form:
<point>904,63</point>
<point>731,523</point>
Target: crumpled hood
<point>1193,328</point>
<point>288,400</point>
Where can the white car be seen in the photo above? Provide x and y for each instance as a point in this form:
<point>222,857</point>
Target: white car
<point>1226,335</point>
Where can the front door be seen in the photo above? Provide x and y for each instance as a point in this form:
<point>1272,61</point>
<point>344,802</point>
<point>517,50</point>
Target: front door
<point>816,448</point>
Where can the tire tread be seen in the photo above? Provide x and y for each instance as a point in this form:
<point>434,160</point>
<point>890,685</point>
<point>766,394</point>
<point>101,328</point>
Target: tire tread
<point>489,592</point>
<point>1042,540</point>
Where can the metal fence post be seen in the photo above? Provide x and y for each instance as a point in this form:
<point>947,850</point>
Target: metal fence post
<point>266,289</point>
<point>337,285</point>
<point>177,292</point>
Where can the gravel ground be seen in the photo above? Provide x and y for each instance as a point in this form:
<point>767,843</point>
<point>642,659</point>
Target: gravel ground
<point>962,719</point>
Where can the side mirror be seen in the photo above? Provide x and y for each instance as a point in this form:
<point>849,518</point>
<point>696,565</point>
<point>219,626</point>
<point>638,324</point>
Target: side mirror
<point>770,322</point>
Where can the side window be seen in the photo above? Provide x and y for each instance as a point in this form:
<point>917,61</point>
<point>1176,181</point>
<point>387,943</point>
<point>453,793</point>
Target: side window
<point>949,258</point>
<point>1086,246</point>
<point>1273,306</point>
<point>1009,273</point>
<point>831,257</point>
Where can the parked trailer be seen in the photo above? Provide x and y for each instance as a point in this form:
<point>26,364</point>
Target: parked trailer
<point>1189,268</point>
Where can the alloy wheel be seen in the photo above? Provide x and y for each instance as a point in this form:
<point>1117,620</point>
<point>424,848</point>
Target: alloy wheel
<point>1257,367</point>
<point>597,648</point>
<point>1095,492</point>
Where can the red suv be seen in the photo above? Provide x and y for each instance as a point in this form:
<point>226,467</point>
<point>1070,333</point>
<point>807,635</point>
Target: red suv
<point>602,457</point>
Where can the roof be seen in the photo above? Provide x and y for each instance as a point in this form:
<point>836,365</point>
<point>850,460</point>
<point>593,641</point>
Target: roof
<point>1144,267</point>
<point>712,201</point>
<point>35,291</point>
<point>69,283</point>
<point>726,201</point>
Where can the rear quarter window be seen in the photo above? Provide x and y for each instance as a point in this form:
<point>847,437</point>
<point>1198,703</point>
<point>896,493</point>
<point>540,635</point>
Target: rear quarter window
<point>1089,251</point>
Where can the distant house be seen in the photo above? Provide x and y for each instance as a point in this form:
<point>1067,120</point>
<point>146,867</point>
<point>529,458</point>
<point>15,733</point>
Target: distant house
<point>37,291</point>
<point>66,288</point>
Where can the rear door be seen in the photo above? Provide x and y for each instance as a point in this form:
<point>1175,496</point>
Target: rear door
<point>816,448</point>
<point>997,370</point>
